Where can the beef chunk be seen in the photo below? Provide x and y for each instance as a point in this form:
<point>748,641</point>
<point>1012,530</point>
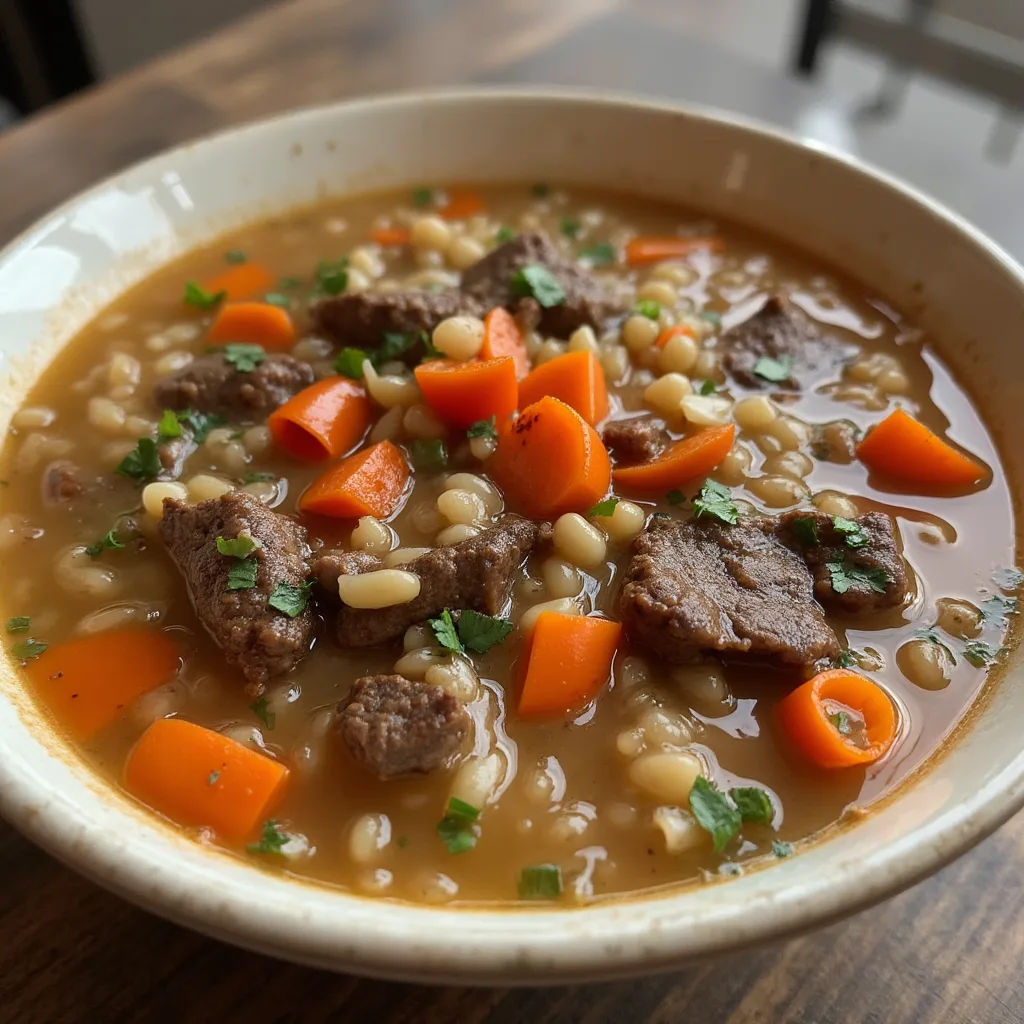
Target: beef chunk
<point>489,283</point>
<point>361,319</point>
<point>637,440</point>
<point>475,573</point>
<point>880,577</point>
<point>705,585</point>
<point>332,564</point>
<point>780,331</point>
<point>62,481</point>
<point>393,726</point>
<point>255,638</point>
<point>173,452</point>
<point>213,385</point>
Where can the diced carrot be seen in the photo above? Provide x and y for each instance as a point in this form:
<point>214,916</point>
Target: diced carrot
<point>550,461</point>
<point>675,331</point>
<point>369,483</point>
<point>686,460</point>
<point>91,682</point>
<point>462,204</point>
<point>575,378</point>
<point>462,393</point>
<point>245,281</point>
<point>259,323</point>
<point>816,719</point>
<point>502,337</point>
<point>906,449</point>
<point>325,420</point>
<point>569,661</point>
<point>200,778</point>
<point>390,236</point>
<point>648,249</point>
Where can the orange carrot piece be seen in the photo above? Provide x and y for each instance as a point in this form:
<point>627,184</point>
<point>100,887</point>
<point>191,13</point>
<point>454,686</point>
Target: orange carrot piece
<point>199,778</point>
<point>462,393</point>
<point>686,460</point>
<point>677,330</point>
<point>569,661</point>
<point>327,419</point>
<point>805,716</point>
<point>502,337</point>
<point>91,682</point>
<point>369,483</point>
<point>246,281</point>
<point>462,204</point>
<point>259,323</point>
<point>390,236</point>
<point>904,448</point>
<point>550,461</point>
<point>575,378</point>
<point>648,249</point>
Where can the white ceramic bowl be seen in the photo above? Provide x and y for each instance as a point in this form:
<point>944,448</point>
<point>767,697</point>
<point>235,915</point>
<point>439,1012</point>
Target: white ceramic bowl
<point>925,260</point>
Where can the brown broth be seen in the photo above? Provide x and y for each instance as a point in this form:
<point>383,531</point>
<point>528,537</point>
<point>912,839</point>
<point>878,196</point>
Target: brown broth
<point>588,819</point>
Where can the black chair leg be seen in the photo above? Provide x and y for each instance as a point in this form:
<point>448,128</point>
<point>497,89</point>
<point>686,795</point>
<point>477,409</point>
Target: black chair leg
<point>818,16</point>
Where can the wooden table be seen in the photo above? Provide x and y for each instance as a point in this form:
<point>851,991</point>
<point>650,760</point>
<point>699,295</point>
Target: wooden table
<point>950,950</point>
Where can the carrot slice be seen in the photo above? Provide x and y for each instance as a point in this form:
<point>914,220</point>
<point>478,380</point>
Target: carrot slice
<point>259,323</point>
<point>811,718</point>
<point>199,778</point>
<point>649,249</point>
<point>91,682</point>
<point>390,236</point>
<point>675,331</point>
<point>322,421</point>
<point>246,281</point>
<point>569,661</point>
<point>462,393</point>
<point>576,378</point>
<point>369,483</point>
<point>904,448</point>
<point>462,204</point>
<point>550,461</point>
<point>686,460</point>
<point>502,337</point>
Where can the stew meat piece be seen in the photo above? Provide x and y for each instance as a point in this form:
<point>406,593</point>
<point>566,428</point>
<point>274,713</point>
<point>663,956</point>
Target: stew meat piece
<point>880,577</point>
<point>704,585</point>
<point>393,726</point>
<point>475,573</point>
<point>254,637</point>
<point>62,481</point>
<point>637,440</point>
<point>213,385</point>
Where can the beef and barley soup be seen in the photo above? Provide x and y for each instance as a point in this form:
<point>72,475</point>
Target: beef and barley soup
<point>521,542</point>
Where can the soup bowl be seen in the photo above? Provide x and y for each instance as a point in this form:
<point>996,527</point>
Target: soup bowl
<point>953,282</point>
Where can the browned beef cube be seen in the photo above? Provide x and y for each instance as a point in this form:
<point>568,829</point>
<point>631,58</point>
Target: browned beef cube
<point>635,440</point>
<point>393,726</point>
<point>256,638</point>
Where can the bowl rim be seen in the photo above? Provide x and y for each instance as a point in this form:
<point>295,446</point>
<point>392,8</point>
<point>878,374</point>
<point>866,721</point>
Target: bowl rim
<point>410,941</point>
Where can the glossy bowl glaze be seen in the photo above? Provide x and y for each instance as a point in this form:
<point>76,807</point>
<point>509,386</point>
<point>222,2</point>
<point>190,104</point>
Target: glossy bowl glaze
<point>950,279</point>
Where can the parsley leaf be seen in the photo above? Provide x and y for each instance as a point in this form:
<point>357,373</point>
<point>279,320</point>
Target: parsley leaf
<point>456,827</point>
<point>196,295</point>
<point>603,508</point>
<point>235,256</point>
<point>169,425</point>
<point>445,631</point>
<point>142,463</point>
<point>28,649</point>
<point>714,812</point>
<point>349,363</point>
<point>504,234</point>
<point>774,370</point>
<point>19,624</point>
<point>429,352</point>
<point>648,308</point>
<point>332,276</point>
<point>715,500</point>
<point>484,428</point>
<point>933,637</point>
<point>981,654</point>
<point>212,778</point>
<point>244,357</point>
<point>753,804</point>
<point>711,316</point>
<point>278,299</point>
<point>841,720</point>
<point>242,575</point>
<point>847,659</point>
<point>395,345</point>
<point>422,197</point>
<point>287,283</point>
<point>429,456</point>
<point>600,254</point>
<point>537,281</point>
<point>482,632</point>
<point>258,476</point>
<point>707,387</point>
<point>846,577</point>
<point>781,848</point>
<point>261,709</point>
<point>200,423</point>
<point>570,227</point>
<point>852,532</point>
<point>540,882</point>
<point>241,546</point>
<point>540,190</point>
<point>273,840</point>
<point>995,610</point>
<point>107,542</point>
<point>1008,579</point>
<point>289,599</point>
<point>675,497</point>
<point>805,529</point>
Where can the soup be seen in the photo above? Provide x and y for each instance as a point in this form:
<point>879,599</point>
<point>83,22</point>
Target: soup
<point>513,543</point>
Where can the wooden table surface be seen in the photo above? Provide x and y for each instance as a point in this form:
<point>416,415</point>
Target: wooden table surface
<point>950,949</point>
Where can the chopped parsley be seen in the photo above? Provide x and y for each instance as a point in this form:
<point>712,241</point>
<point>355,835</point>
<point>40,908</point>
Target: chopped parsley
<point>981,654</point>
<point>711,316</point>
<point>169,425</point>
<point>395,345</point>
<point>289,599</point>
<point>243,357</point>
<point>429,352</point>
<point>278,299</point>
<point>540,882</point>
<point>570,227</point>
<point>429,456</point>
<point>781,848</point>
<point>200,423</point>
<point>332,276</point>
<point>537,281</point>
<point>675,496</point>
<point>841,720</point>
<point>349,363</point>
<point>446,631</point>
<point>600,254</point>
<point>142,463</point>
<point>481,632</point>
<point>19,624</point>
<point>753,804</point>
<point>456,828</point>
<point>258,476</point>
<point>805,529</point>
<point>422,197</point>
<point>774,370</point>
<point>235,256</point>
<point>196,295</point>
<point>715,500</point>
<point>241,546</point>
<point>212,778</point>
<point>853,533</point>
<point>995,609</point>
<point>504,234</point>
<point>714,812</point>
<point>28,649</point>
<point>261,709</point>
<point>854,577</point>
<point>484,428</point>
<point>108,542</point>
<point>603,508</point>
<point>273,840</point>
<point>847,658</point>
<point>540,190</point>
<point>707,387</point>
<point>1008,579</point>
<point>242,575</point>
<point>648,308</point>
<point>932,637</point>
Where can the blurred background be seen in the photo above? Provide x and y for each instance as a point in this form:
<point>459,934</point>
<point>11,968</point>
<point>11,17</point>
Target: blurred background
<point>932,90</point>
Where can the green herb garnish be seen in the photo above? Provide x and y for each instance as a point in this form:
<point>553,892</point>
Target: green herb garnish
<point>332,276</point>
<point>289,599</point>
<point>714,812</point>
<point>853,533</point>
<point>244,357</point>
<point>396,345</point>
<point>981,654</point>
<point>196,295</point>
<point>774,370</point>
<point>540,190</point>
<point>242,575</point>
<point>28,649</point>
<point>484,428</point>
<point>1008,579</point>
<point>108,542</point>
<point>715,500</point>
<point>781,848</point>
<point>537,281</point>
<point>273,840</point>
<point>847,659</point>
<point>708,387</point>
<point>711,316</point>
<point>258,476</point>
<point>19,624</point>
<point>504,234</point>
<point>648,308</point>
<point>349,363</point>
<point>429,456</point>
<point>446,632</point>
<point>482,632</point>
<point>600,254</point>
<point>456,828</point>
<point>422,197</point>
<point>995,610</point>
<point>603,508</point>
<point>841,720</point>
<point>169,425</point>
<point>570,227</point>
<point>933,637</point>
<point>212,778</point>
<point>200,423</point>
<point>805,529</point>
<point>278,299</point>
<point>235,256</point>
<point>261,709</point>
<point>754,804</point>
<point>241,546</point>
<point>540,882</point>
<point>853,577</point>
<point>142,463</point>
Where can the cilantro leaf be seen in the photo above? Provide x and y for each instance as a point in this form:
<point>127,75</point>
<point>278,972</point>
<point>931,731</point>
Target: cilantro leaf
<point>754,804</point>
<point>648,308</point>
<point>142,463</point>
<point>484,428</point>
<point>995,610</point>
<point>933,637</point>
<point>981,654</point>
<point>537,281</point>
<point>446,632</point>
<point>108,542</point>
<point>847,658</point>
<point>19,624</point>
<point>261,709</point>
<point>242,575</point>
<point>781,848</point>
<point>1008,579</point>
<point>675,497</point>
<point>332,276</point>
<point>429,456</point>
<point>805,529</point>
<point>504,234</point>
<point>243,357</point>
<point>841,720</point>
<point>603,508</point>
<point>707,387</point>
<point>241,546</point>
<point>169,425</point>
<point>422,197</point>
<point>846,577</point>
<point>28,649</point>
<point>396,345</point>
<point>456,828</point>
<point>258,476</point>
<point>570,227</point>
<point>715,500</point>
<point>212,778</point>
<point>599,255</point>
<point>540,190</point>
<point>196,295</point>
<point>235,256</point>
<point>200,423</point>
<point>349,363</point>
<point>711,316</point>
<point>482,632</point>
<point>273,840</point>
<point>278,299</point>
<point>714,812</point>
<point>289,599</point>
<point>853,533</point>
<point>540,882</point>
<point>774,370</point>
